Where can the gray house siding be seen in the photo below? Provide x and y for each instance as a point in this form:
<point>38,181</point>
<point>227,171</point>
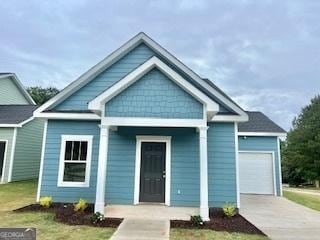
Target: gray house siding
<point>15,96</point>
<point>28,150</point>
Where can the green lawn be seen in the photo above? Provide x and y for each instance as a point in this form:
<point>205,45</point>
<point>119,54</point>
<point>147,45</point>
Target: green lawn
<point>308,200</point>
<point>14,195</point>
<point>188,234</point>
<point>18,194</point>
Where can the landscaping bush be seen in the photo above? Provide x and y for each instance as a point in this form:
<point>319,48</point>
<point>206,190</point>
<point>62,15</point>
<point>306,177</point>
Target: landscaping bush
<point>97,218</point>
<point>46,202</point>
<point>196,220</point>
<point>229,210</point>
<point>81,205</point>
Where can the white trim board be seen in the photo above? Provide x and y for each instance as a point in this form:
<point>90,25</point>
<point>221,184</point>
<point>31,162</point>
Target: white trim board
<point>273,166</point>
<point>262,134</point>
<point>64,139</point>
<point>98,103</point>
<point>4,158</point>
<point>279,166</point>
<point>139,140</point>
<point>151,122</point>
<point>43,148</point>
<point>109,60</point>
<point>70,116</point>
<point>236,143</point>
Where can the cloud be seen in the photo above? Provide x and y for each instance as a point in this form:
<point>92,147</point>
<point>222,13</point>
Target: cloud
<point>265,54</point>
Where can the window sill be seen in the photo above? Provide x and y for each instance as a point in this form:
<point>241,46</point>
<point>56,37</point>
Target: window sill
<point>73,184</point>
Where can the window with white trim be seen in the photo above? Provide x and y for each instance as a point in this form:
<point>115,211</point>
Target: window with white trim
<point>75,160</point>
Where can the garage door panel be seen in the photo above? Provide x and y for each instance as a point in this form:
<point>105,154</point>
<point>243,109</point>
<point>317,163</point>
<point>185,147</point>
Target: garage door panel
<point>256,173</point>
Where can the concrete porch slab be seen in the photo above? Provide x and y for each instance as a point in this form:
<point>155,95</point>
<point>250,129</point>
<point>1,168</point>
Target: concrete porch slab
<point>150,212</point>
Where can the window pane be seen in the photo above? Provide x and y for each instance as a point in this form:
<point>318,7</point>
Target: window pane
<point>83,151</point>
<point>74,172</point>
<point>67,155</point>
<point>76,150</point>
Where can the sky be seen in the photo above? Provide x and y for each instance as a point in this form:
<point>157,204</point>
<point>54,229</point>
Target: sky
<point>264,54</point>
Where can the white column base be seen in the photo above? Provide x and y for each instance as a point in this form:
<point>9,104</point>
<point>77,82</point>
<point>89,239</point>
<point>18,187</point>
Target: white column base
<point>204,213</point>
<point>99,207</point>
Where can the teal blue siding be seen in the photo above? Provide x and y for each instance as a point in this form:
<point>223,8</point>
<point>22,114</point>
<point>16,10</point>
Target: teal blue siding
<point>262,144</point>
<point>184,165</point>
<point>49,187</point>
<point>28,150</point>
<point>221,164</point>
<point>157,96</point>
<point>79,100</point>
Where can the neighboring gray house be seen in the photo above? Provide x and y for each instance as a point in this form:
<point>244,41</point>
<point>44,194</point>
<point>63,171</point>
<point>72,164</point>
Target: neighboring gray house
<point>20,133</point>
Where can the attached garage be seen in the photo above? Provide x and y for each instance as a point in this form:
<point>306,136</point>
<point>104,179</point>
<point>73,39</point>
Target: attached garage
<point>257,172</point>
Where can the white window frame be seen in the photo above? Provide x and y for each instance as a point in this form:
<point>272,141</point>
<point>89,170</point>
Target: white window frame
<point>140,140</point>
<point>64,139</point>
<point>4,158</point>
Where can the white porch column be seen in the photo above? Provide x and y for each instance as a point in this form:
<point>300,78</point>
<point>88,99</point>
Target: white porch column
<point>102,170</point>
<point>204,209</point>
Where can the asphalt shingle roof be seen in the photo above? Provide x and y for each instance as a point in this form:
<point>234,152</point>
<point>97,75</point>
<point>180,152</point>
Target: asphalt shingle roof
<point>15,114</point>
<point>258,122</point>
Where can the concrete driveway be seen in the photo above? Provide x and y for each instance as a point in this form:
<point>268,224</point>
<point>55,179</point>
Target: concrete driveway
<point>280,218</point>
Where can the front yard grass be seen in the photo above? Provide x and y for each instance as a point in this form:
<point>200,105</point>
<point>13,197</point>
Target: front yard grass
<point>193,234</point>
<point>19,194</point>
<point>308,200</point>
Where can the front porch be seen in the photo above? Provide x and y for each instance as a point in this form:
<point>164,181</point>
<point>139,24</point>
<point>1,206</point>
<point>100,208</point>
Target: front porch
<point>151,211</point>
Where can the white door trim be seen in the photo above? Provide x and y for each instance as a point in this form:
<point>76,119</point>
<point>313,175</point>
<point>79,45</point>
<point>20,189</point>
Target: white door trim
<point>140,140</point>
<point>4,158</point>
<point>13,150</point>
<point>273,167</point>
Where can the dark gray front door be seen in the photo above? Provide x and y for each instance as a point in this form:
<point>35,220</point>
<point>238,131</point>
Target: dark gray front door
<point>2,150</point>
<point>152,174</point>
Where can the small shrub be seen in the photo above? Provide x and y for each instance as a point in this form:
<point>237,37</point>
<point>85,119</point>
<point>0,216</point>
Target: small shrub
<point>196,220</point>
<point>96,218</point>
<point>81,205</point>
<point>229,210</point>
<point>46,202</point>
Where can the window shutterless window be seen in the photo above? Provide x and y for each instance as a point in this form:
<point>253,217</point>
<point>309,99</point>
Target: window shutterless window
<point>75,161</point>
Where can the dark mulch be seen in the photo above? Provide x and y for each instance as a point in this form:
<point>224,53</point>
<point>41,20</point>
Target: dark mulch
<point>219,222</point>
<point>65,213</point>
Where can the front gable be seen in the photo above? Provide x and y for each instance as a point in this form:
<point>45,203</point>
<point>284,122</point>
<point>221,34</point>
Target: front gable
<point>156,96</point>
<point>75,97</point>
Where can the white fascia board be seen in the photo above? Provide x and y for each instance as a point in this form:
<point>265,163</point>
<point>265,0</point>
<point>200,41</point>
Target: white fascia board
<point>69,116</point>
<point>113,57</point>
<point>151,122</point>
<point>97,103</point>
<point>20,86</point>
<point>262,134</point>
<point>10,125</point>
<point>230,118</point>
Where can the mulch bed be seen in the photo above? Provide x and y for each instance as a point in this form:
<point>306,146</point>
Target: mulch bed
<point>65,213</point>
<point>219,222</point>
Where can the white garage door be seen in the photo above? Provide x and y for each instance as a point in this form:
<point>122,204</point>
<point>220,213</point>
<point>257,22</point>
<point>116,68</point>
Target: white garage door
<point>256,173</point>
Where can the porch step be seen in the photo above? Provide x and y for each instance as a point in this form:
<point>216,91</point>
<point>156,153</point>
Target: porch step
<point>142,229</point>
<point>143,211</point>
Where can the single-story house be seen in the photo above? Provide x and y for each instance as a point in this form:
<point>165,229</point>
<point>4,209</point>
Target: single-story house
<point>20,133</point>
<point>142,127</point>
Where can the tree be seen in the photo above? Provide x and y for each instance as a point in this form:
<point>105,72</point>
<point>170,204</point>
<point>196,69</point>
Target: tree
<point>41,95</point>
<point>301,152</point>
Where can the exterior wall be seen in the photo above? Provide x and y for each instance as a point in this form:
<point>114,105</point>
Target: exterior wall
<point>28,151</point>
<point>185,175</point>
<point>154,95</point>
<point>10,93</point>
<point>221,164</point>
<point>7,134</point>
<point>55,129</point>
<point>263,144</point>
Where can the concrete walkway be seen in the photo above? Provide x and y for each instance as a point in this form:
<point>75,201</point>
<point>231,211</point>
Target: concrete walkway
<point>280,218</point>
<point>301,190</point>
<point>142,229</point>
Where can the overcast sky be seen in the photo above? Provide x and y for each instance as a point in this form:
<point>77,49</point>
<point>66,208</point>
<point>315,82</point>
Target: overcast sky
<point>264,54</point>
